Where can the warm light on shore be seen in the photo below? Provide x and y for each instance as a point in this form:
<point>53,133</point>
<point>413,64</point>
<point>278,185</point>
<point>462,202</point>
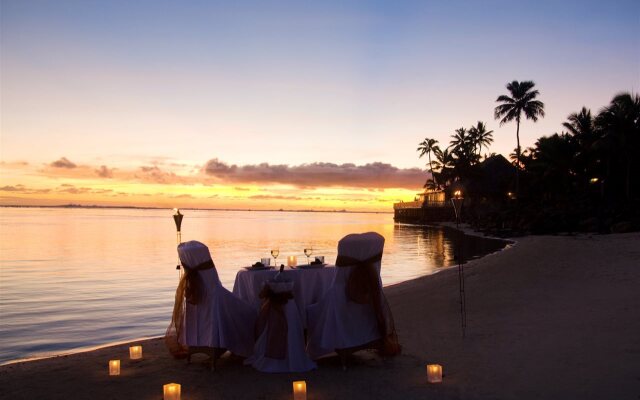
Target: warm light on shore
<point>434,373</point>
<point>114,367</point>
<point>135,352</point>
<point>171,391</point>
<point>299,390</point>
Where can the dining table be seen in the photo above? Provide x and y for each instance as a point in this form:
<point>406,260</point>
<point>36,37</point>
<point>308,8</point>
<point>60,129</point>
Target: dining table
<point>309,285</point>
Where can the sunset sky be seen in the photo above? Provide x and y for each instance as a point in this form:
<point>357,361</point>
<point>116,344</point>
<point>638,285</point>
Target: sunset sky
<point>294,105</point>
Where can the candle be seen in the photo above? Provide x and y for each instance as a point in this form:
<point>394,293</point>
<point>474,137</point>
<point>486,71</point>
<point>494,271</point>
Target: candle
<point>299,390</point>
<point>434,373</point>
<point>114,367</point>
<point>292,261</point>
<point>171,391</point>
<point>135,352</point>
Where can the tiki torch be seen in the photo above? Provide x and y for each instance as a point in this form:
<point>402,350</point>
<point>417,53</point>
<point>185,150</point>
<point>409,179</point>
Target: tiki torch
<point>177,218</point>
<point>457,201</point>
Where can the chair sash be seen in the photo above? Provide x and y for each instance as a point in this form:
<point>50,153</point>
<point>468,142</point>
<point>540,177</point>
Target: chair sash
<point>363,281</point>
<point>193,289</point>
<point>363,287</point>
<point>189,288</point>
<point>272,317</point>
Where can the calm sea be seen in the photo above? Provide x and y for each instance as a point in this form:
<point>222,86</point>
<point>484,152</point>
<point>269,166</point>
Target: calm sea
<point>79,278</point>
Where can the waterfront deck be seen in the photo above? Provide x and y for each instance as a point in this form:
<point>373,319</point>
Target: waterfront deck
<point>423,212</point>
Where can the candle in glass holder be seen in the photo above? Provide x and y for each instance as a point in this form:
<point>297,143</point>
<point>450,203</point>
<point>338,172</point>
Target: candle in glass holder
<point>135,352</point>
<point>434,373</point>
<point>114,367</point>
<point>171,391</point>
<point>299,390</point>
<point>292,261</point>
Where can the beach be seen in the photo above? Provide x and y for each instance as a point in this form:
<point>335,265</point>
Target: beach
<point>550,317</point>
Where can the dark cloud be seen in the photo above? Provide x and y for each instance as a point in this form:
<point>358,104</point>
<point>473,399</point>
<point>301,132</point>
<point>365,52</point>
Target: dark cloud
<point>215,167</point>
<point>373,175</point>
<point>63,163</point>
<point>104,172</point>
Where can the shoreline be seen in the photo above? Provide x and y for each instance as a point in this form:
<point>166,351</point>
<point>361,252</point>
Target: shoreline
<point>554,317</point>
<point>467,232</point>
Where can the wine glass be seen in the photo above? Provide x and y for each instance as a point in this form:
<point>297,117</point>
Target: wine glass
<point>275,253</point>
<point>307,252</point>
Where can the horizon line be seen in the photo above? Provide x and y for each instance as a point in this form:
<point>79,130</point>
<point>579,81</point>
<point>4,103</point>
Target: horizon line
<point>186,208</point>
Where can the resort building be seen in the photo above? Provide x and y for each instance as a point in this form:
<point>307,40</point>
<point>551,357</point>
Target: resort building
<point>429,206</point>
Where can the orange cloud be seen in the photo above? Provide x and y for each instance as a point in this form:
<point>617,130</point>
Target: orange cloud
<point>23,189</point>
<point>104,172</point>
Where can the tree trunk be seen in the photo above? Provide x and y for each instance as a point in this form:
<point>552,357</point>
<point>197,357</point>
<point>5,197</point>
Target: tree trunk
<point>431,169</point>
<point>518,157</point>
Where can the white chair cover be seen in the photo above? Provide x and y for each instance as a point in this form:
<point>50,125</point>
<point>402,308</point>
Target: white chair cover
<point>335,322</point>
<point>220,320</point>
<point>296,359</point>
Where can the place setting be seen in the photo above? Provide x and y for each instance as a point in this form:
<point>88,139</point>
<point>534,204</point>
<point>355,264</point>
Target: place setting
<point>291,261</point>
<point>263,264</point>
<point>318,261</point>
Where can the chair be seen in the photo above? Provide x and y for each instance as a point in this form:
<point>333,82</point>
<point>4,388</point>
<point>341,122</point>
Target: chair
<point>353,315</point>
<point>212,320</point>
<point>280,343</point>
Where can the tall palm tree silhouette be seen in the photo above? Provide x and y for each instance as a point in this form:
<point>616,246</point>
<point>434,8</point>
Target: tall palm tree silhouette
<point>426,147</point>
<point>521,99</point>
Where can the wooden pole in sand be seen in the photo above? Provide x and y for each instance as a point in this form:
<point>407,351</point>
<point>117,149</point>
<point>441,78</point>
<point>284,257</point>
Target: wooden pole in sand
<point>457,201</point>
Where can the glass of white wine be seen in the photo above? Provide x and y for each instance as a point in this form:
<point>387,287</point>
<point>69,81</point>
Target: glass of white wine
<point>275,253</point>
<point>308,252</point>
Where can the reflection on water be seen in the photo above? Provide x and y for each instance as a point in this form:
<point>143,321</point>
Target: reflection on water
<point>73,278</point>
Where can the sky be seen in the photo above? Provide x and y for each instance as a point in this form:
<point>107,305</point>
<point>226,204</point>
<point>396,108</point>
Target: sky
<point>275,104</point>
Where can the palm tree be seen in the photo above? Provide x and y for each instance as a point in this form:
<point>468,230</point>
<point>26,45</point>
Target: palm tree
<point>525,156</point>
<point>460,139</point>
<point>522,99</point>
<point>463,148</point>
<point>620,122</point>
<point>426,147</point>
<point>443,167</point>
<point>581,127</point>
<point>480,136</point>
<point>580,124</point>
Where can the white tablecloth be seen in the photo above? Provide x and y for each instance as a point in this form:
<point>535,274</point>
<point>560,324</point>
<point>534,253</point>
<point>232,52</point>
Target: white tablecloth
<point>309,285</point>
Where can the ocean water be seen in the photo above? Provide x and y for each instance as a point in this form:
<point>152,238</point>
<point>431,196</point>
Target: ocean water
<point>72,279</point>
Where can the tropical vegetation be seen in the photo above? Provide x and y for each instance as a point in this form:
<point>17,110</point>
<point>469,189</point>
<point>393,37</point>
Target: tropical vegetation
<point>584,178</point>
